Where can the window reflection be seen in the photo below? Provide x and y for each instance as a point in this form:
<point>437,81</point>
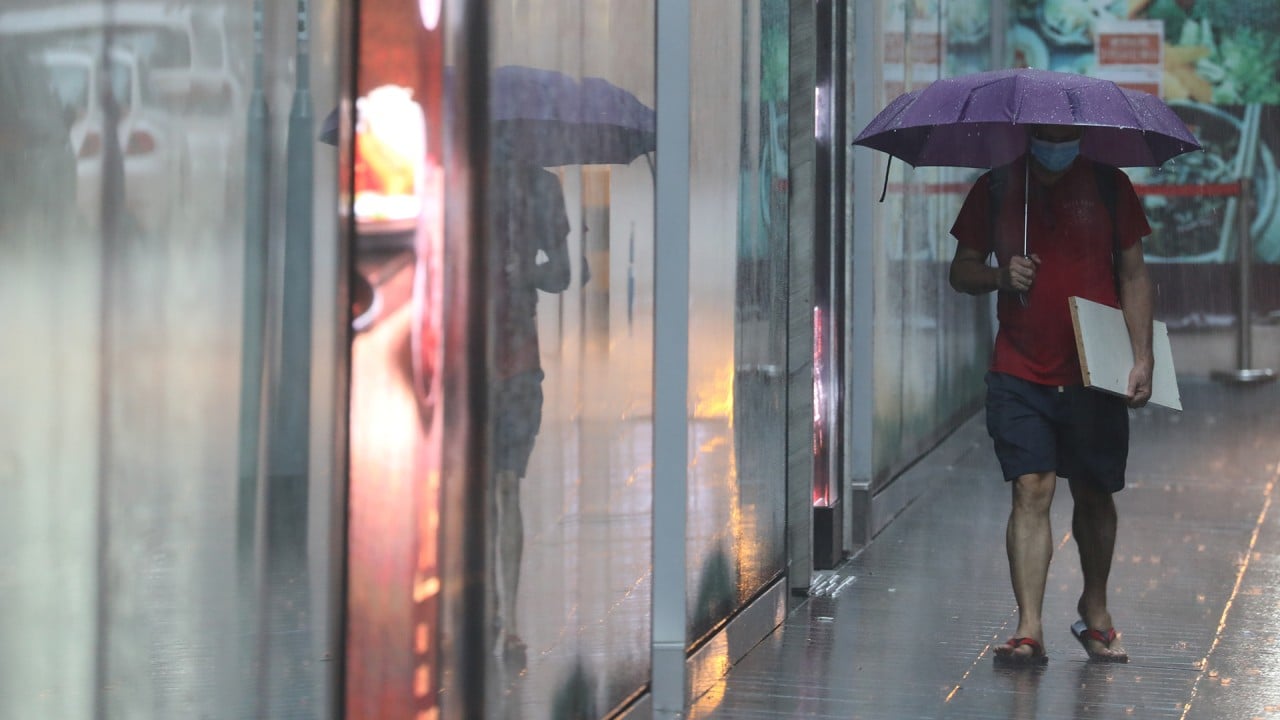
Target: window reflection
<point>122,259</point>
<point>573,131</point>
<point>738,231</point>
<point>394,586</point>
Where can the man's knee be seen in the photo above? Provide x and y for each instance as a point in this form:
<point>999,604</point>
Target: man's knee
<point>1092,498</point>
<point>1034,492</point>
<point>507,483</point>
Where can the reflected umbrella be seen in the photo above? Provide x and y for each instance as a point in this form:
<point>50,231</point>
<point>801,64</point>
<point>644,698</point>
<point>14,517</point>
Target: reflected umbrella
<point>547,118</point>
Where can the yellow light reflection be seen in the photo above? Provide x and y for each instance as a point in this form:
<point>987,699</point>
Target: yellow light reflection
<point>1243,567</point>
<point>714,398</point>
<point>708,676</point>
<point>424,588</point>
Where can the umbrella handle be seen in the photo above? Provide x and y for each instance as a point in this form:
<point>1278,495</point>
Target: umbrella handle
<point>885,190</point>
<point>1026,200</point>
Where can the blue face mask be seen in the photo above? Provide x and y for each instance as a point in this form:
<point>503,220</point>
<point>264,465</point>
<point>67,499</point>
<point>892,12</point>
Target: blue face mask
<point>1055,156</point>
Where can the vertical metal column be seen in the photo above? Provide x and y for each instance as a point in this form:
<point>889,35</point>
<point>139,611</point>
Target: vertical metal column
<point>250,498</point>
<point>111,206</point>
<point>290,676</point>
<point>671,359</point>
<point>1239,212</point>
<point>1244,373</point>
<point>465,532</point>
<point>348,74</point>
<point>860,369</point>
<point>839,192</point>
<point>829,290</point>
<point>255,300</point>
<point>800,281</point>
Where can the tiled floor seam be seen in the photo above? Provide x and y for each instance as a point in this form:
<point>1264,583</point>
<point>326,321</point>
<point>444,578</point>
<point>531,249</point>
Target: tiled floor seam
<point>1226,610</point>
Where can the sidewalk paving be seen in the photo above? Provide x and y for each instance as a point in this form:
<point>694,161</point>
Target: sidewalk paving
<point>905,629</point>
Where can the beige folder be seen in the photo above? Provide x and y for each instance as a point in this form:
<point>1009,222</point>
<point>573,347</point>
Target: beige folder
<point>1106,357</point>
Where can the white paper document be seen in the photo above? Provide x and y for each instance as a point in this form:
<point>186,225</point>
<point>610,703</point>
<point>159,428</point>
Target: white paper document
<point>1106,357</point>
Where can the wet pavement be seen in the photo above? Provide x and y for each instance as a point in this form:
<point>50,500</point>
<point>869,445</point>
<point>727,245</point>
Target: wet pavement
<point>905,628</point>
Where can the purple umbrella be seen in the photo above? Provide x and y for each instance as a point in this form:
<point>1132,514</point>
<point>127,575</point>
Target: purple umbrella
<point>547,118</point>
<point>983,120</point>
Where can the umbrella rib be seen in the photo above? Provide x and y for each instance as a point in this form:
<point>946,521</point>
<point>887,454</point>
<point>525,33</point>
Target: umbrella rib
<point>964,109</point>
<point>1073,101</point>
<point>1021,98</point>
<point>1133,110</point>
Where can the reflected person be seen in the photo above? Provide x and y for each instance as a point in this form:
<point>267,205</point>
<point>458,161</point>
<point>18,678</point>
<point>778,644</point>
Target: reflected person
<point>528,253</point>
<point>1084,225</point>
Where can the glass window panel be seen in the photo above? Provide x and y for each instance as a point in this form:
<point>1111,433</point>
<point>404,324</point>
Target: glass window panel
<point>738,231</point>
<point>134,561</point>
<point>570,253</point>
<point>929,349</point>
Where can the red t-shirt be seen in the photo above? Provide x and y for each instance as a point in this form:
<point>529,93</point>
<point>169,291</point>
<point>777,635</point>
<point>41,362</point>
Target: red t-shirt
<point>1069,227</point>
<point>528,216</point>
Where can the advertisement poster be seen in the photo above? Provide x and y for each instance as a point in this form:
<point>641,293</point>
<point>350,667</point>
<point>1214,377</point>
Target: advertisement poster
<point>393,585</point>
<point>1217,64</point>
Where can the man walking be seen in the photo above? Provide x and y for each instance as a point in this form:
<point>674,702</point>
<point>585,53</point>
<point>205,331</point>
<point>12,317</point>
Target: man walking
<point>1059,225</point>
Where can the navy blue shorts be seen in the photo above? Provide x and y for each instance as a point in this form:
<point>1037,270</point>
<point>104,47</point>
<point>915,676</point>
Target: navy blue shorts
<point>1076,432</point>
<point>517,417</point>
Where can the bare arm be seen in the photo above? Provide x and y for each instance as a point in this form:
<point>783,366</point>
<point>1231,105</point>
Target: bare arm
<point>552,276</point>
<point>1136,303</point>
<point>971,274</point>
<point>550,229</point>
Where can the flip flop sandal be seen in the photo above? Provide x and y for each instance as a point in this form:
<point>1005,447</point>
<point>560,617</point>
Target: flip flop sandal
<point>1005,655</point>
<point>1082,632</point>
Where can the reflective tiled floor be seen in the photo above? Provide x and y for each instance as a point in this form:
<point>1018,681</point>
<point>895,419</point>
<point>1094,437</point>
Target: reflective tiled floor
<point>905,628</point>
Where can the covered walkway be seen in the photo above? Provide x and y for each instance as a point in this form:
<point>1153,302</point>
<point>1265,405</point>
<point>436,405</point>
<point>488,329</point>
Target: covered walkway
<point>905,629</point>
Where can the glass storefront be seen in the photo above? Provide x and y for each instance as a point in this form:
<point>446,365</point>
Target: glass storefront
<point>568,254</point>
<point>927,352</point>
<point>738,251</point>
<point>168,549</point>
<point>182,522</point>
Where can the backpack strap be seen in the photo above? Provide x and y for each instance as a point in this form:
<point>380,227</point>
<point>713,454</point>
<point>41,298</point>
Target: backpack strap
<point>1105,176</point>
<point>995,193</point>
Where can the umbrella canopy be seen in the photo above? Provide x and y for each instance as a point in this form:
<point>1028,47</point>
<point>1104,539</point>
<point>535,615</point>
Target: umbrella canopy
<point>547,118</point>
<point>983,120</point>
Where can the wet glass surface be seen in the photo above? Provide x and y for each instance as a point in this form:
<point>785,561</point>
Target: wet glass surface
<point>581,608</point>
<point>569,266</point>
<point>133,557</point>
<point>930,351</point>
<point>737,331</point>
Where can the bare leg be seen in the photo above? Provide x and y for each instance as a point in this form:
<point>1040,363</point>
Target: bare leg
<point>1029,541</point>
<point>508,549</point>
<point>1093,522</point>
